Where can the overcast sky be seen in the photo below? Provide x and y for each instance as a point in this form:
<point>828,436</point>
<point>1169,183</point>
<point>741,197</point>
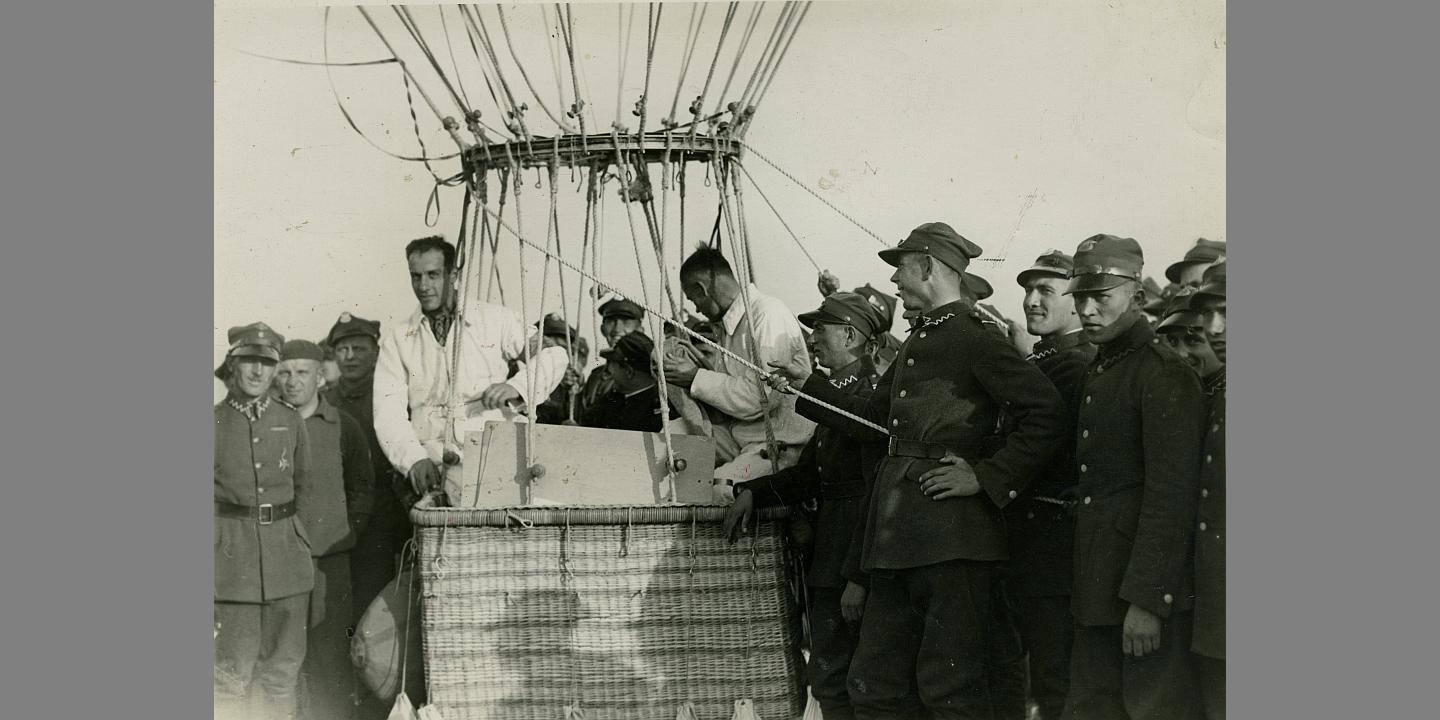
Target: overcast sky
<point>1025,125</point>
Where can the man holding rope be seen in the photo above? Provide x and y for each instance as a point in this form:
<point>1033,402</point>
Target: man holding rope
<point>422,378</point>
<point>935,631</point>
<point>743,405</point>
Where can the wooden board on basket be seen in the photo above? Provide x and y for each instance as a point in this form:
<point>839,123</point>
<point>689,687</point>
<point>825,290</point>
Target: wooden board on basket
<point>583,466</point>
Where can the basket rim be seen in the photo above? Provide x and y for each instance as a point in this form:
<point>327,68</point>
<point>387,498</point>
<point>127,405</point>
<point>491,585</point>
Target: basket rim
<point>428,513</point>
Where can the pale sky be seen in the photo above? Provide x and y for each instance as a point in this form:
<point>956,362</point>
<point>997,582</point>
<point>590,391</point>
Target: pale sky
<point>1024,125</point>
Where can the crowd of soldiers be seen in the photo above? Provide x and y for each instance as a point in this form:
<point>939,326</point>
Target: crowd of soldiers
<point>1037,531</point>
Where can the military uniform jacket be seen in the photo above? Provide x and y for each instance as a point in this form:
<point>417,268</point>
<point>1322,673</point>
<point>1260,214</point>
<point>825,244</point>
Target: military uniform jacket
<point>336,503</point>
<point>1042,534</point>
<point>1210,532</point>
<point>1138,449</point>
<point>947,386</point>
<point>639,411</point>
<point>357,401</point>
<point>260,462</point>
<point>833,468</point>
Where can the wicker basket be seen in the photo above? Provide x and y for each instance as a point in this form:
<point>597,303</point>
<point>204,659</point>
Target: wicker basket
<point>619,612</point>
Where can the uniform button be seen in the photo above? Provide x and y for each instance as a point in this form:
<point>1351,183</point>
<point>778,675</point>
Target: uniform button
<point>257,466</point>
<point>819,469</point>
<point>1204,492</point>
<point>1013,494</point>
<point>1084,467</point>
<point>1030,516</point>
<point>1215,428</point>
<point>1087,500</point>
<point>255,440</point>
<point>1203,526</point>
<point>261,490</point>
<point>1209,458</point>
<point>1100,369</point>
<point>1087,399</point>
<point>895,422</point>
<point>1168,598</point>
<point>909,361</point>
<point>903,393</point>
<point>1084,433</point>
<point>922,335</point>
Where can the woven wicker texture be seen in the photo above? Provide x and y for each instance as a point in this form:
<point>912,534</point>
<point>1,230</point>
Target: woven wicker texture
<point>625,620</point>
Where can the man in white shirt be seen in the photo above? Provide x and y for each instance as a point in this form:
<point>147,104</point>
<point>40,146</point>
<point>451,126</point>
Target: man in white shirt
<point>734,393</point>
<point>414,378</point>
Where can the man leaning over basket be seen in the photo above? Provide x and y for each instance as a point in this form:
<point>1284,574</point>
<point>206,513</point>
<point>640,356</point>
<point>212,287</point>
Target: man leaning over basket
<point>414,380</point>
<point>745,414</point>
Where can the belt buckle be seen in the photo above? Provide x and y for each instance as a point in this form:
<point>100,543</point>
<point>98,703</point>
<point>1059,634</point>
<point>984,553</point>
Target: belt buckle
<point>267,514</point>
<point>891,449</point>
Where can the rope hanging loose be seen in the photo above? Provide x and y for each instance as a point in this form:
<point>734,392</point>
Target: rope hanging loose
<point>750,149</point>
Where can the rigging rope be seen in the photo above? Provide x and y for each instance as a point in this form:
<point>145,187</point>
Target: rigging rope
<point>699,106</point>
<point>505,30</point>
<point>680,326</point>
<point>786,225</point>
<point>751,150</point>
<point>692,41</point>
<point>744,43</point>
<point>784,52</point>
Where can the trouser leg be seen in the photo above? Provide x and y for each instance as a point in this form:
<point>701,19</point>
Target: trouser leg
<point>882,672</point>
<point>1048,632</point>
<point>1211,676</point>
<point>1106,683</point>
<point>327,674</point>
<point>1006,657</point>
<point>237,648</point>
<point>954,671</point>
<point>832,645</point>
<point>1161,685</point>
<point>283,625</point>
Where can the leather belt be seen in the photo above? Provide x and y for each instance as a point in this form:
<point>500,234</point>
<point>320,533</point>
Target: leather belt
<point>916,449</point>
<point>266,514</point>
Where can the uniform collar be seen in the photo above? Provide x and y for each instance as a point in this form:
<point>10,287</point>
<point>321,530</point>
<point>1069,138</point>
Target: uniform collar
<point>251,409</point>
<point>844,376</point>
<point>1139,334</point>
<point>325,410</point>
<point>1057,343</point>
<point>933,317</point>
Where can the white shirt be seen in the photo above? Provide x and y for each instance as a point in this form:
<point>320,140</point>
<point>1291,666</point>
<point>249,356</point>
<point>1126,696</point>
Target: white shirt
<point>412,379</point>
<point>736,390</point>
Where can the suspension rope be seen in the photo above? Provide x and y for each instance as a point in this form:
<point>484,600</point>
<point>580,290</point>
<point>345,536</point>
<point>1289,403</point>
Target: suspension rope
<point>740,54</point>
<point>450,48</point>
<point>786,225</point>
<point>692,41</point>
<point>623,40</point>
<point>567,31</point>
<point>527,352</point>
<point>680,326</point>
<point>699,106</point>
<point>407,21</point>
<point>751,150</point>
<point>505,30</point>
<point>776,70</point>
<point>740,250</point>
<point>472,15</point>
<point>782,23</point>
<point>350,120</point>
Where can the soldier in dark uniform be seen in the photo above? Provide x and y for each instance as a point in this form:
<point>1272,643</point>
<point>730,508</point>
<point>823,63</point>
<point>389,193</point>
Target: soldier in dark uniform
<point>1208,643</point>
<point>634,403</point>
<point>619,317</point>
<point>1138,449</point>
<point>837,471</point>
<point>377,548</point>
<point>1184,331</point>
<point>1041,522</point>
<point>554,332</point>
<point>933,534</point>
<point>1189,270</point>
<point>263,570</point>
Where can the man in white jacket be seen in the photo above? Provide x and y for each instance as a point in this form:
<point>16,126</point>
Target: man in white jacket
<point>416,388</point>
<point>734,394</point>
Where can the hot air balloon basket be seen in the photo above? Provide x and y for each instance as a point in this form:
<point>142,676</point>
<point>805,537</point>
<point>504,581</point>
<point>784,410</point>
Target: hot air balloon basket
<point>613,612</point>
